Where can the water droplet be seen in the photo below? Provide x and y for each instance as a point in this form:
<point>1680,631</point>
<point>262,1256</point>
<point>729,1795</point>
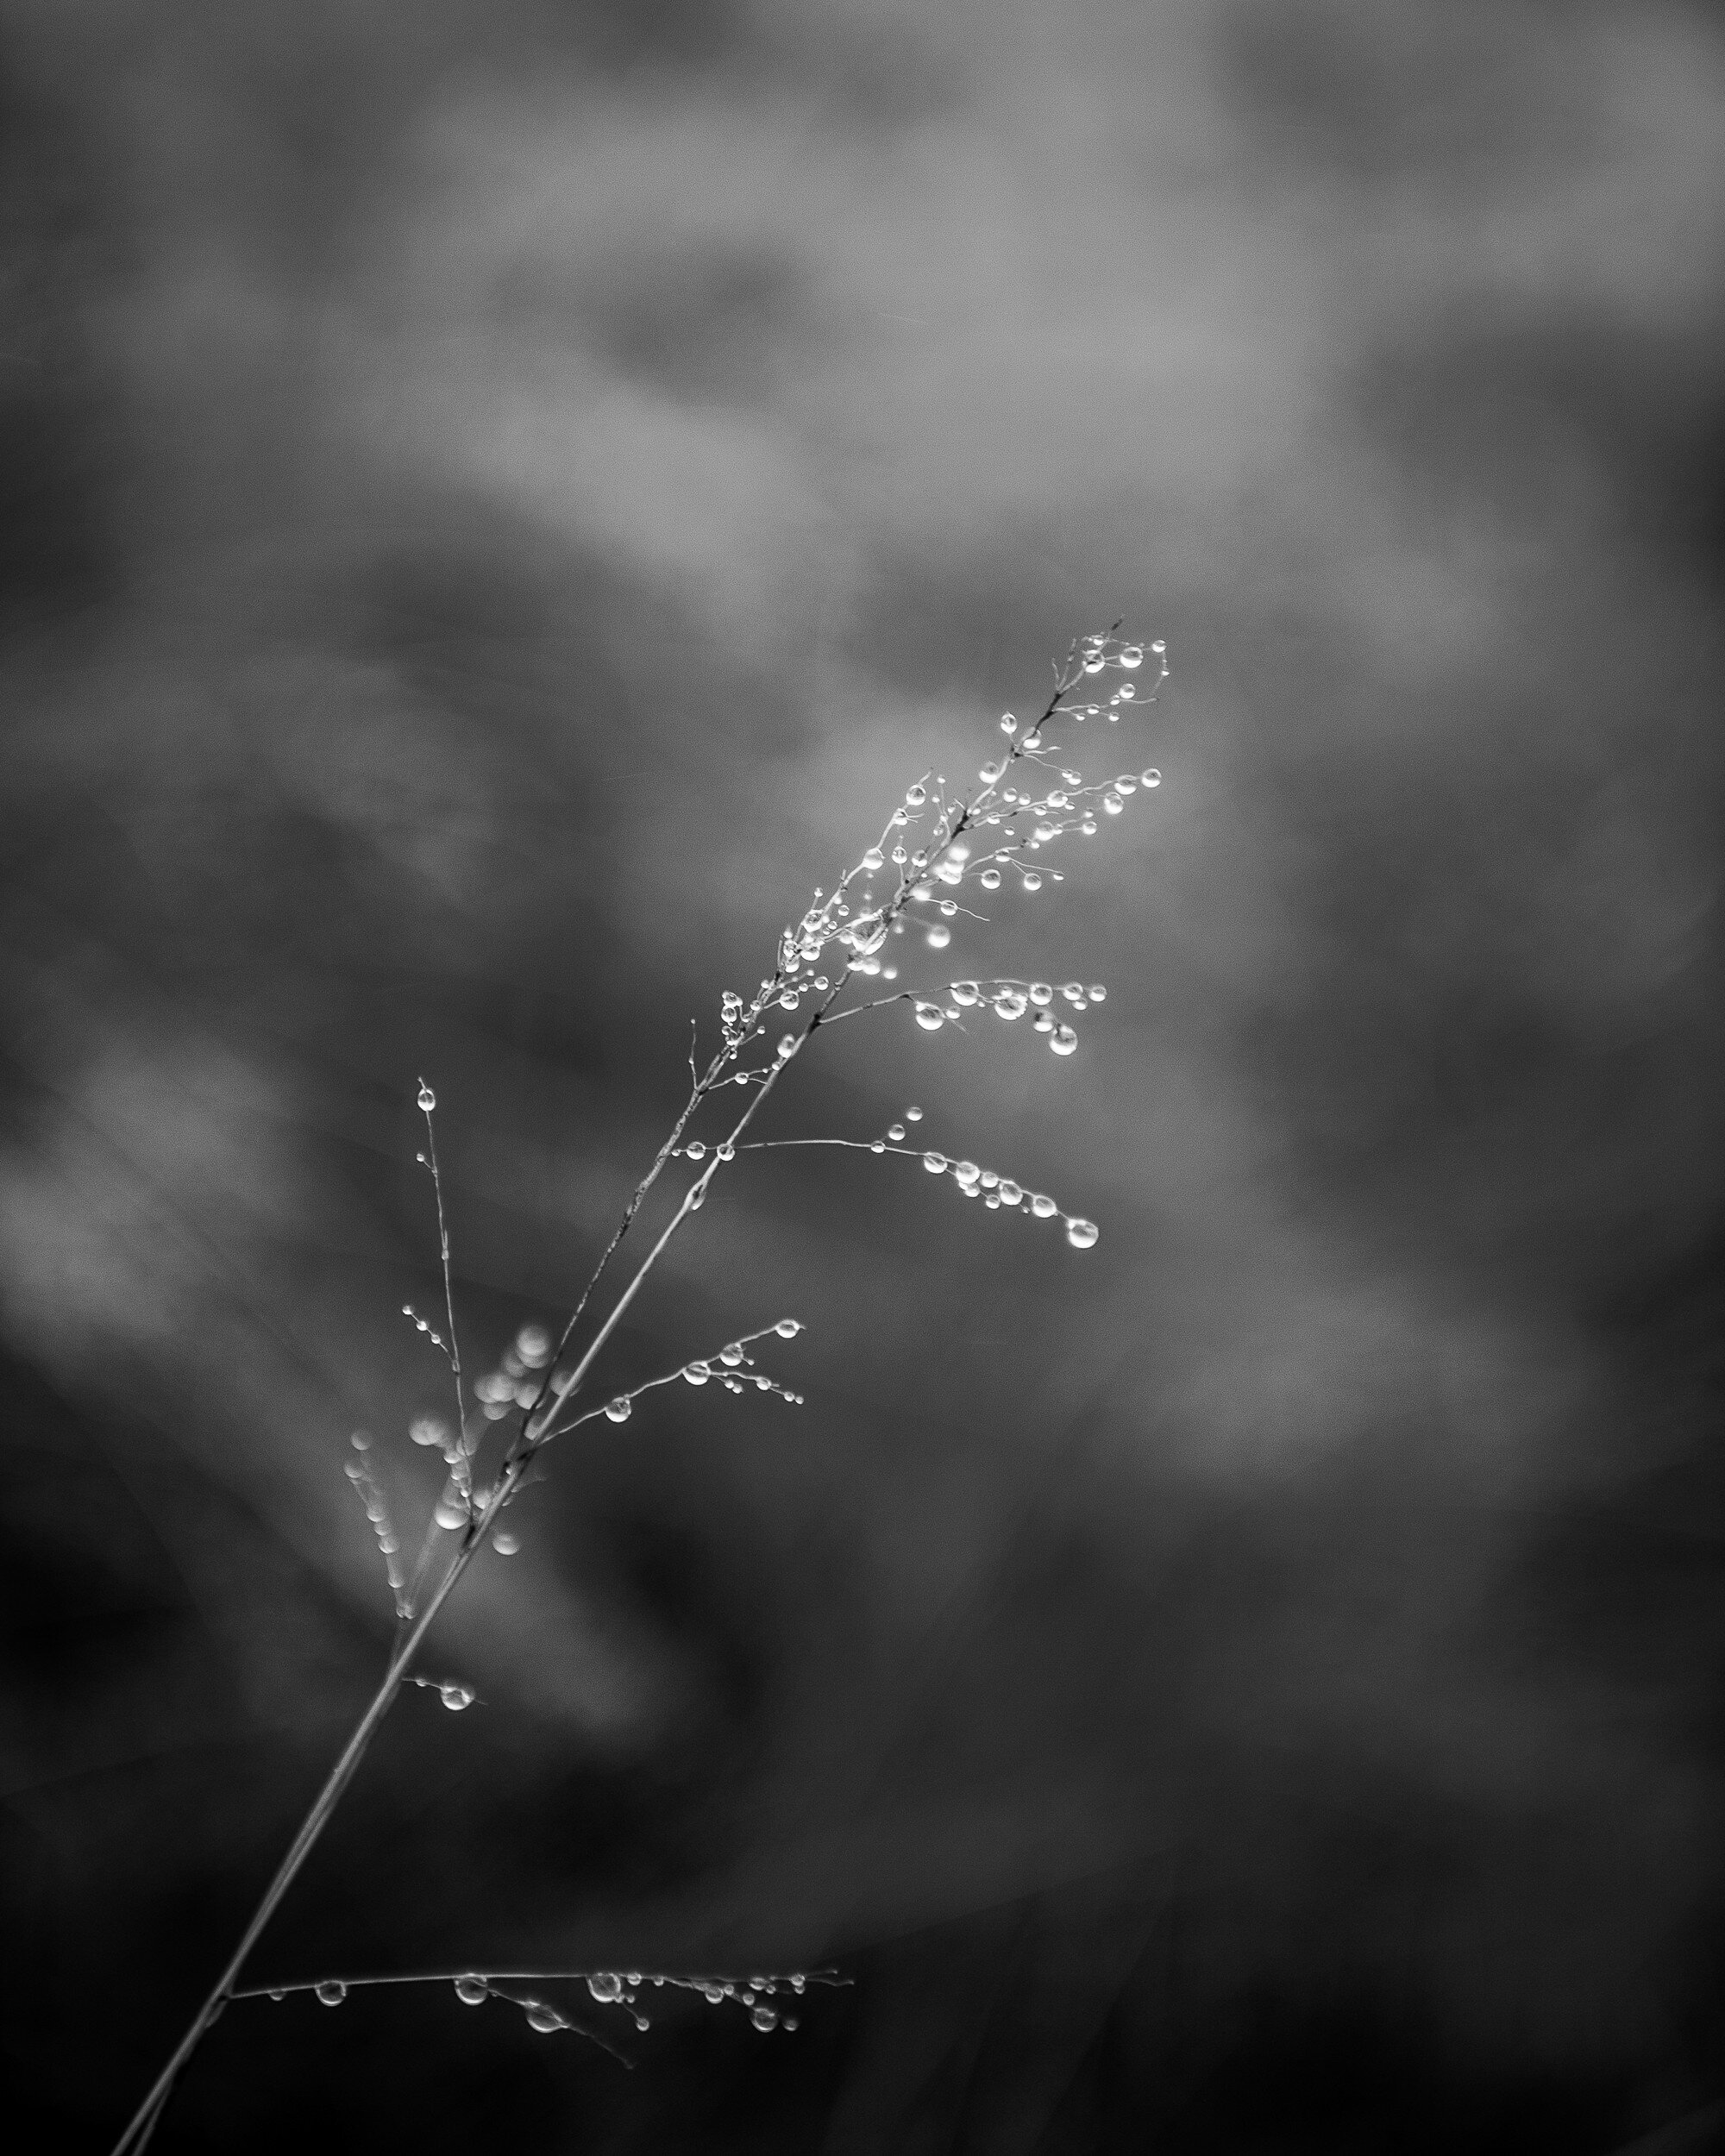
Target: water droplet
<point>928,1016</point>
<point>1033,740</point>
<point>764,2018</point>
<point>935,1163</point>
<point>788,1328</point>
<point>912,1115</point>
<point>354,1471</point>
<point>1080,1234</point>
<point>1012,1193</point>
<point>1063,1040</point>
<point>990,879</point>
<point>873,860</point>
<point>360,1441</point>
<point>1088,827</point>
<point>877,1145</point>
<point>1032,882</point>
<point>1010,1003</point>
<point>605,1985</point>
<point>1125,784</point>
<point>1152,777</point>
<point>1040,993</point>
<point>1008,723</point>
<point>938,937</point>
<point>789,2021</point>
<point>278,1997</point>
<point>454,1697</point>
<point>505,1543</point>
<point>620,1409</point>
<point>471,1991</point>
<point>696,1152</point>
<point>966,1172</point>
<point>1112,804</point>
<point>545,2019</point>
<point>330,1992</point>
<point>787,1043</point>
<point>450,1514</point>
<point>895,1131</point>
<point>1044,1207</point>
<point>428,1430</point>
<point>1158,647</point>
<point>696,1373</point>
<point>731,1356</point>
<point>1099,993</point>
<point>1132,656</point>
<point>428,1100</point>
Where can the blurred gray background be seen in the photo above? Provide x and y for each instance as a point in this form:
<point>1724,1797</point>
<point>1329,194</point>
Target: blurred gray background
<point>495,503</point>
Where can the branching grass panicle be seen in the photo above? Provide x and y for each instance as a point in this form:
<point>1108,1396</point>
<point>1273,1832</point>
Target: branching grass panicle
<point>939,846</point>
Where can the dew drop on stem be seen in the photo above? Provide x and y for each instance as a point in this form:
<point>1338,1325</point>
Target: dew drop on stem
<point>471,1991</point>
<point>1081,1234</point>
<point>620,1409</point>
<point>330,1993</point>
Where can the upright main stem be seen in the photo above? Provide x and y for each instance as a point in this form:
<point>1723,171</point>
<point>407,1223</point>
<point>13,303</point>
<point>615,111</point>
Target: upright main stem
<point>143,2123</point>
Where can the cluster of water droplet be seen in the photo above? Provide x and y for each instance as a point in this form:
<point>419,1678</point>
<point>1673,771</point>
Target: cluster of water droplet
<point>517,1381</point>
<point>935,841</point>
<point>369,1491</point>
<point>422,1325</point>
<point>1001,1193</point>
<point>733,1367</point>
<point>1010,999</point>
<point>765,1998</point>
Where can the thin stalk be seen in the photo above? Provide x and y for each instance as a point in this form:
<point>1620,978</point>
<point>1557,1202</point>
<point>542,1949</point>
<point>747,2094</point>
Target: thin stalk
<point>142,2125</point>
